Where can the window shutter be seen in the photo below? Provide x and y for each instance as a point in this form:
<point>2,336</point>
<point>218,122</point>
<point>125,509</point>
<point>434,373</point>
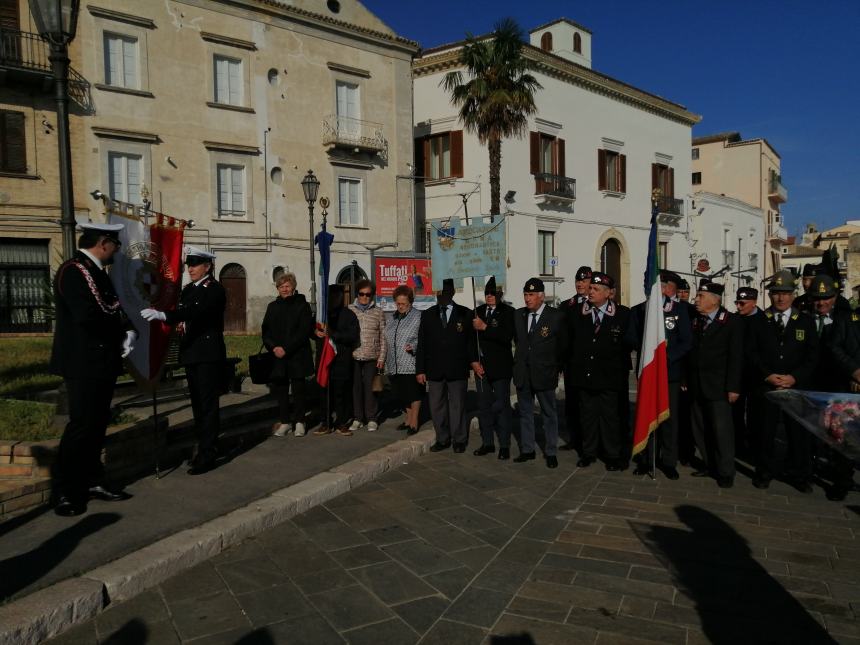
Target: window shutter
<point>622,173</point>
<point>560,157</point>
<point>534,153</point>
<point>671,182</point>
<point>420,153</point>
<point>655,176</point>
<point>601,169</point>
<point>457,153</point>
<point>14,158</point>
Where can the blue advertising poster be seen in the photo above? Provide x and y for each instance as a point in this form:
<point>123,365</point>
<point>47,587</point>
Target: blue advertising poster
<point>473,251</point>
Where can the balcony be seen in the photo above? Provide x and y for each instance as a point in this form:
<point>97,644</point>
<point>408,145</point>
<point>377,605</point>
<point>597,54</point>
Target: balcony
<point>24,60</point>
<point>669,210</point>
<point>778,233</point>
<point>554,189</point>
<point>354,134</point>
<point>776,192</point>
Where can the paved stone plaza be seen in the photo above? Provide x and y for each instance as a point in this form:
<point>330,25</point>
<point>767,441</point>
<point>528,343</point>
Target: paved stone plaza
<point>454,549</point>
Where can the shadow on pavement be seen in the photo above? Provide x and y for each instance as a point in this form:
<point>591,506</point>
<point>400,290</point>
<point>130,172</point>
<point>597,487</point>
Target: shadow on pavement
<point>260,636</point>
<point>134,632</point>
<point>518,639</point>
<point>23,570</point>
<point>736,598</point>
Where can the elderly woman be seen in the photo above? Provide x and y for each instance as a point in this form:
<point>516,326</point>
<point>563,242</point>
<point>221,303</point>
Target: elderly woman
<point>287,328</point>
<point>401,341</point>
<point>368,357</point>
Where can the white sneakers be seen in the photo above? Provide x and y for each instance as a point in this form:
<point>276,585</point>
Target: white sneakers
<point>300,430</point>
<point>282,429</point>
<point>372,426</point>
<point>356,426</point>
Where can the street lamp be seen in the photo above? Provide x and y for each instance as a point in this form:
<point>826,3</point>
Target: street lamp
<point>56,21</point>
<point>311,186</point>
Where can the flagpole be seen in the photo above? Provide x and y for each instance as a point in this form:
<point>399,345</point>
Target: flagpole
<point>155,431</point>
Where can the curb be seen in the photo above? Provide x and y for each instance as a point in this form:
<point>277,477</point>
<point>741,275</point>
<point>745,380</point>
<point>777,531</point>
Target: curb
<point>48,612</point>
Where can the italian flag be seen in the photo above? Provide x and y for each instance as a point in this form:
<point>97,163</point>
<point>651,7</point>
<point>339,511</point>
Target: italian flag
<point>652,399</point>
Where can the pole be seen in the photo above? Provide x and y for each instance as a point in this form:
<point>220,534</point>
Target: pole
<point>155,431</point>
<point>59,58</point>
<point>313,259</point>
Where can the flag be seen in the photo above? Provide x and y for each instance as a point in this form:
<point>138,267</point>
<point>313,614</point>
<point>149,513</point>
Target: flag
<point>327,354</point>
<point>147,273</point>
<point>652,399</point>
<point>328,350</point>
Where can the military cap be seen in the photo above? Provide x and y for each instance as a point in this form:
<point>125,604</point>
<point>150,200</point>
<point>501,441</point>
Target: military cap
<point>809,270</point>
<point>683,285</point>
<point>602,278</point>
<point>583,273</point>
<point>110,231</point>
<point>711,287</point>
<point>490,287</point>
<point>670,276</point>
<point>747,293</point>
<point>822,287</point>
<point>448,287</point>
<point>533,285</point>
<point>195,256</point>
<point>782,281</point>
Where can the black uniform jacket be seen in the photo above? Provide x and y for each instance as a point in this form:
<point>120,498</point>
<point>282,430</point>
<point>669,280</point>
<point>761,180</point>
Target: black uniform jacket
<point>444,353</point>
<point>496,340</point>
<point>600,360</point>
<point>539,356</point>
<point>201,309</point>
<point>793,352</point>
<point>804,304</point>
<point>91,324</point>
<point>839,352</point>
<point>288,324</point>
<point>716,361</point>
<point>679,333</point>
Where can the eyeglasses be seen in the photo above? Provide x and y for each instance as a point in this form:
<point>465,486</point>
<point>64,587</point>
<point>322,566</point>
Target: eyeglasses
<point>364,294</point>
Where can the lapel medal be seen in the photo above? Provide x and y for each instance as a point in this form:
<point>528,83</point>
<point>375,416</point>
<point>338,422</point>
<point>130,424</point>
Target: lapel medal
<point>799,334</point>
<point>544,331</point>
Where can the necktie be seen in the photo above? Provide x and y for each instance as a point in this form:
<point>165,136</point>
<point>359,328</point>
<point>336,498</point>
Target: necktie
<point>706,321</point>
<point>443,314</point>
<point>534,323</point>
<point>489,313</point>
<point>598,316</point>
<point>780,323</point>
<point>821,318</point>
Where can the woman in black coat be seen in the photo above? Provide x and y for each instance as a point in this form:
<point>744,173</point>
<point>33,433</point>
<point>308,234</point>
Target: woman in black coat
<point>287,330</point>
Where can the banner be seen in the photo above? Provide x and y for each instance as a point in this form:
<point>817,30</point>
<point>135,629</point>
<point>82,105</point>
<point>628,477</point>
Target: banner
<point>391,272</point>
<point>472,251</point>
<point>147,273</point>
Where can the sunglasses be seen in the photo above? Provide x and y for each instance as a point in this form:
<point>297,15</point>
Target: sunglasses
<point>364,294</point>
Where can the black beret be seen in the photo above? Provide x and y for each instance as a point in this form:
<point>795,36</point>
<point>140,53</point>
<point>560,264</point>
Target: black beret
<point>684,285</point>
<point>533,285</point>
<point>747,293</point>
<point>670,276</point>
<point>809,270</point>
<point>583,273</point>
<point>711,287</point>
<point>490,286</point>
<point>602,278</point>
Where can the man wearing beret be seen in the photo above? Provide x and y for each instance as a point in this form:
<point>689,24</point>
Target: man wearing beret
<point>746,300</point>
<point>783,351</point>
<point>492,362</point>
<point>715,372</point>
<point>199,317</point>
<point>599,363</point>
<point>803,302</point>
<point>571,307</point>
<point>541,338</point>
<point>679,340</point>
<point>92,336</point>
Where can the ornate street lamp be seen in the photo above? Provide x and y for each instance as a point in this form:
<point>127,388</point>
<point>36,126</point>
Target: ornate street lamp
<point>311,186</point>
<point>56,21</point>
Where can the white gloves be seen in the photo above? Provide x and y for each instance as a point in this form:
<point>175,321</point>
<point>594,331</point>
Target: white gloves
<point>152,314</point>
<point>128,343</point>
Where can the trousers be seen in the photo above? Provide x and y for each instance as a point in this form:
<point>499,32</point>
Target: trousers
<point>549,416</point>
<point>494,411</point>
<point>448,410</point>
<point>204,385</point>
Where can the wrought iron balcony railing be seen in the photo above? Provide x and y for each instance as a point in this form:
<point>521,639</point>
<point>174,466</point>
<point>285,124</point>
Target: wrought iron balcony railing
<point>670,205</point>
<point>555,186</point>
<point>776,191</point>
<point>346,132</point>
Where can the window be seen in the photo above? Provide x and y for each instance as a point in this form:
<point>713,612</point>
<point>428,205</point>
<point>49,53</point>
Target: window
<point>546,251</point>
<point>611,171</point>
<point>697,178</point>
<point>546,42</point>
<point>439,156</point>
<point>695,154</point>
<point>577,44</point>
<point>547,154</point>
<point>610,263</point>
<point>663,177</point>
<point>25,286</point>
<point>120,61</point>
<point>124,175</point>
<point>348,107</point>
<point>349,197</point>
<point>13,151</point>
<point>663,254</point>
<point>231,191</point>
<point>228,80</point>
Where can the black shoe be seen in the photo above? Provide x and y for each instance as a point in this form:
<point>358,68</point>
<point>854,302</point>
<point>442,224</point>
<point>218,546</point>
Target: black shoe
<point>411,431</point>
<point>670,472</point>
<point>613,466</point>
<point>439,447</point>
<point>403,426</point>
<point>567,446</point>
<point>484,450</point>
<point>459,447</point>
<point>700,473</point>
<point>585,462</point>
<point>725,482</point>
<point>107,495</point>
<point>761,482</point>
<point>802,485</point>
<point>201,465</point>
<point>641,469</point>
<point>69,507</point>
<point>552,461</point>
<point>524,457</point>
<point>837,493</point>
<point>504,454</point>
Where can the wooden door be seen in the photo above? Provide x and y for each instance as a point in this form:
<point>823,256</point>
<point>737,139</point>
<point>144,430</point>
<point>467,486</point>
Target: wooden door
<point>235,284</point>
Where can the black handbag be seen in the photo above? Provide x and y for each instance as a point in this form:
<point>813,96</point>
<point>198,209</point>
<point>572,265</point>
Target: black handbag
<point>260,366</point>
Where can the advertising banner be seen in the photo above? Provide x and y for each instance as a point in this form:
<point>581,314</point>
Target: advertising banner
<point>417,273</point>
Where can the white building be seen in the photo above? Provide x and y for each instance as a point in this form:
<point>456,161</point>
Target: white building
<point>582,178</point>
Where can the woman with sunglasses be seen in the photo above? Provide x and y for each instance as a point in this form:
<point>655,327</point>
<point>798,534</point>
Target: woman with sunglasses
<point>368,357</point>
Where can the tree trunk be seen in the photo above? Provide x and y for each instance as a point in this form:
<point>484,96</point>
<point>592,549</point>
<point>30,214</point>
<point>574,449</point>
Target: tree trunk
<point>494,146</point>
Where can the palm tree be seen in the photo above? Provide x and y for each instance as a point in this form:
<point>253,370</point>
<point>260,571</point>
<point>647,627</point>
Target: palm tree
<point>498,98</point>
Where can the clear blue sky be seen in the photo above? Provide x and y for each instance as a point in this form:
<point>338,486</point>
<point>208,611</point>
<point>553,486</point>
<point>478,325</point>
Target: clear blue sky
<point>785,70</point>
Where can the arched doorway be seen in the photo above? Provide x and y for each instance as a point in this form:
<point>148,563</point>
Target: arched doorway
<point>347,277</point>
<point>234,281</point>
<point>610,263</point>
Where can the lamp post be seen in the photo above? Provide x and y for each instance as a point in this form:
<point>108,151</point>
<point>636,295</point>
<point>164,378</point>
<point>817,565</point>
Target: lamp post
<point>57,21</point>
<point>310,187</point>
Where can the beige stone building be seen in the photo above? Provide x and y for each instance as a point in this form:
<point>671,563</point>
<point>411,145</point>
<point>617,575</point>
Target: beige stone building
<point>748,170</point>
<point>219,108</point>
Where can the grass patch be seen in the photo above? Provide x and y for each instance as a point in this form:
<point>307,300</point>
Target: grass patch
<point>24,366</point>
<point>242,347</point>
<point>26,421</point>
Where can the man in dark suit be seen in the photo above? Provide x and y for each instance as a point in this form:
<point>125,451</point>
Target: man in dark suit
<point>747,308</point>
<point>493,363</point>
<point>805,303</point>
<point>714,376</point>
<point>92,336</point>
<point>782,347</point>
<point>599,363</point>
<point>442,361</point>
<point>679,340</point>
<point>200,316</point>
<point>541,338</point>
<point>571,308</point>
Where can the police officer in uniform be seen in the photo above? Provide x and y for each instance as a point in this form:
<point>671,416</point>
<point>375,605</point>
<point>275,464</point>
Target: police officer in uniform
<point>782,347</point>
<point>200,317</point>
<point>806,301</point>
<point>92,336</point>
<point>493,363</point>
<point>571,309</point>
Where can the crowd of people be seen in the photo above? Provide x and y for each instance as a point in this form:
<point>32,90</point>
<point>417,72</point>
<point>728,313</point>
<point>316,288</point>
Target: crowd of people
<point>720,366</point>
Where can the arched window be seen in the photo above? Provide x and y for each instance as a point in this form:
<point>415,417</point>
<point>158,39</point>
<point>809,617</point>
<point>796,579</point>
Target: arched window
<point>347,277</point>
<point>577,43</point>
<point>234,281</point>
<point>610,263</point>
<point>546,42</point>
